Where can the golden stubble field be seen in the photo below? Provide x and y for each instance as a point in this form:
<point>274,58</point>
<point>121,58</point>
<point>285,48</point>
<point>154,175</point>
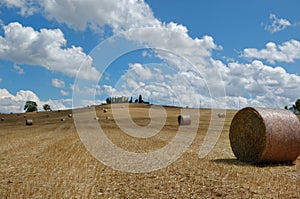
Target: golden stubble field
<point>48,160</point>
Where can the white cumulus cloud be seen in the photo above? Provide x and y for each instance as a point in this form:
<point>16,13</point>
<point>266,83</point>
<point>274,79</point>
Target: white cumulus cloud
<point>18,69</point>
<point>64,93</point>
<point>120,15</point>
<point>265,86</point>
<point>95,14</point>
<point>27,7</point>
<point>142,72</point>
<point>58,83</point>
<point>24,45</point>
<point>277,24</point>
<point>288,51</point>
<point>15,103</point>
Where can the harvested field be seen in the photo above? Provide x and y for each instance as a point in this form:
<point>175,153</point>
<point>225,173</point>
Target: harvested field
<point>48,160</point>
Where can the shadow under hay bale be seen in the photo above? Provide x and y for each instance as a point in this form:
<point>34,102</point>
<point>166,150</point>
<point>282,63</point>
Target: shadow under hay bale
<point>184,120</point>
<point>263,136</point>
<point>236,162</point>
<point>230,162</point>
<point>29,122</point>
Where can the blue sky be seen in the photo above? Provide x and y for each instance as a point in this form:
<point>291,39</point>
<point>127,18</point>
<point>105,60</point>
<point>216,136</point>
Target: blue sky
<point>193,53</point>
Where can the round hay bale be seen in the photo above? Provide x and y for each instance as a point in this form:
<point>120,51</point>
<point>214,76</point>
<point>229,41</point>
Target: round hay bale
<point>62,119</point>
<point>70,115</point>
<point>105,110</point>
<point>96,118</point>
<point>107,118</point>
<point>265,135</point>
<point>221,115</point>
<point>29,122</point>
<point>2,119</point>
<point>184,120</point>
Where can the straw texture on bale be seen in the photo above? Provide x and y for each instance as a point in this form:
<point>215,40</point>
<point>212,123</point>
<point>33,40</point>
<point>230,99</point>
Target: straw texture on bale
<point>265,135</point>
<point>29,122</point>
<point>184,120</point>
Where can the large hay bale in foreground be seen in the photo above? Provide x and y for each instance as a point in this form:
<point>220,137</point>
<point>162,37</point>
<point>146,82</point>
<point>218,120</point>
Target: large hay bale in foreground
<point>29,122</point>
<point>265,135</point>
<point>184,120</point>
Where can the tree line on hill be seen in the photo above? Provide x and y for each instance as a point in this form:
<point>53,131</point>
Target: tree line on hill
<point>110,100</point>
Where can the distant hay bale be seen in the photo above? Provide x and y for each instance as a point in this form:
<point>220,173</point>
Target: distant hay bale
<point>265,135</point>
<point>62,119</point>
<point>184,120</point>
<point>96,118</point>
<point>105,110</point>
<point>221,115</point>
<point>70,115</point>
<point>29,122</point>
<point>2,119</point>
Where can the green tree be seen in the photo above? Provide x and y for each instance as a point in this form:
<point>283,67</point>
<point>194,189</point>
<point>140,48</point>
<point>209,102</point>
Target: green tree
<point>30,106</point>
<point>298,104</point>
<point>46,107</point>
<point>108,100</point>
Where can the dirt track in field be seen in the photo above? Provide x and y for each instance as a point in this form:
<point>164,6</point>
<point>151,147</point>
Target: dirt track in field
<point>48,160</point>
